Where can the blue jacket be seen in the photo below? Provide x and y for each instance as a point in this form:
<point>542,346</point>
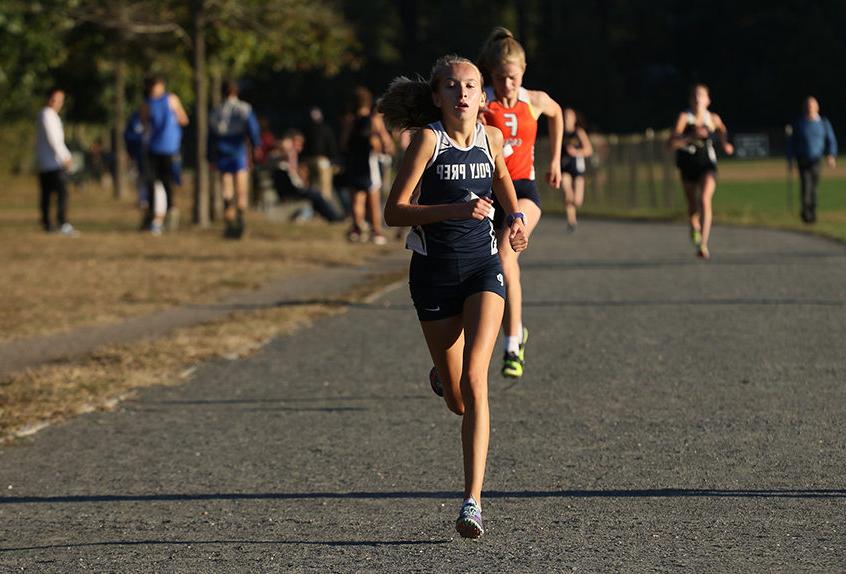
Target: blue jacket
<point>133,136</point>
<point>811,139</point>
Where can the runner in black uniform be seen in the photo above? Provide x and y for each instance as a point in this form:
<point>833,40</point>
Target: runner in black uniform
<point>576,147</point>
<point>363,138</point>
<point>697,162</point>
<point>455,277</point>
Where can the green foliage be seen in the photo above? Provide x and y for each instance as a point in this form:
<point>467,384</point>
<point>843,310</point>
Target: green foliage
<point>278,35</point>
<point>31,47</point>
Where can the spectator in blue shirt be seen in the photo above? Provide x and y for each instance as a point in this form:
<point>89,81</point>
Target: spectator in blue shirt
<point>163,118</point>
<point>812,138</point>
<point>231,125</point>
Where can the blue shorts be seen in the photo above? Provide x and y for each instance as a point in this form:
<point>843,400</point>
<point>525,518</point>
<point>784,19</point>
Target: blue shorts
<point>526,189</point>
<point>439,287</point>
<point>232,164</point>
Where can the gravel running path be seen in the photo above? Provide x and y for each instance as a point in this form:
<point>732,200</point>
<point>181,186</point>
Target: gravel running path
<point>675,416</point>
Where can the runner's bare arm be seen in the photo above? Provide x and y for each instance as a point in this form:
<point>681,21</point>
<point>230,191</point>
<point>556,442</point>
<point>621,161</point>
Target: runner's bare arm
<point>677,139</point>
<point>387,143</point>
<point>548,107</point>
<point>587,147</point>
<point>177,108</point>
<point>503,188</point>
<point>722,131</point>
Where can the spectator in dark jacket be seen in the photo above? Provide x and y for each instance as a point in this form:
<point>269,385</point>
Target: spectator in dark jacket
<point>288,178</point>
<point>320,152</point>
<point>136,147</point>
<point>811,139</point>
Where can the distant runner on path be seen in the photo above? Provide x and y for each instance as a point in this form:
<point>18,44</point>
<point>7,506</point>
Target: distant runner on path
<point>697,162</point>
<point>456,278</point>
<point>576,148</point>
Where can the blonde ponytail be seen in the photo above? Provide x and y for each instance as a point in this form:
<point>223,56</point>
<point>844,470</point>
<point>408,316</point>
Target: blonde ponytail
<point>500,48</point>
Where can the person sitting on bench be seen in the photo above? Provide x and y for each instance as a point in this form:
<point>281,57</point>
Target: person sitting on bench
<point>289,184</point>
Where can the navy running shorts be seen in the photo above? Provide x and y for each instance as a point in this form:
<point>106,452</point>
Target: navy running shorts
<point>232,163</point>
<point>693,166</point>
<point>440,286</point>
<point>526,189</point>
<point>692,174</point>
<point>575,166</point>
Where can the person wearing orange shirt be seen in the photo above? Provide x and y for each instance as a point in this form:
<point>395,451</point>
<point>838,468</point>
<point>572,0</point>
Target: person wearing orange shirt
<point>515,111</point>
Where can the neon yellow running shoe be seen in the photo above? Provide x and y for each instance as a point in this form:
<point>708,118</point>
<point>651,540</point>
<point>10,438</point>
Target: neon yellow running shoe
<point>512,366</point>
<point>512,363</point>
<point>696,237</point>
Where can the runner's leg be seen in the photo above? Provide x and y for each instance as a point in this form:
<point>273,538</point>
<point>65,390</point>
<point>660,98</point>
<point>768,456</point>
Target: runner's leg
<point>481,318</point>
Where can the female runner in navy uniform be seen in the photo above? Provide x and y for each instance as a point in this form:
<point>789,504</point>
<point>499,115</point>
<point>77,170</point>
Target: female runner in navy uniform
<point>576,147</point>
<point>697,162</point>
<point>455,277</point>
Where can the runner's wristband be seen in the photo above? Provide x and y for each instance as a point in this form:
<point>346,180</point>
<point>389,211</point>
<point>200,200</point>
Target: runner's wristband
<point>516,215</point>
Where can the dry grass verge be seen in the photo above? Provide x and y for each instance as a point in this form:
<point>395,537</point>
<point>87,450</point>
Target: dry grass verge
<point>112,272</point>
<point>32,399</point>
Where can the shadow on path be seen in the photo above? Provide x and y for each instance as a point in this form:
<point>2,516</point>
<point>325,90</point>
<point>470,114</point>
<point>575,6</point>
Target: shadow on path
<point>395,495</point>
<point>263,401</point>
<point>365,543</point>
<point>406,307</point>
<point>761,258</point>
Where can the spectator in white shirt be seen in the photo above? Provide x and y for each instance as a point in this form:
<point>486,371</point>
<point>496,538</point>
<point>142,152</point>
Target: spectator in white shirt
<point>54,159</point>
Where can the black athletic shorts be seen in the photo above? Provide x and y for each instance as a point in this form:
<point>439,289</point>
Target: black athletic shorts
<point>575,166</point>
<point>440,286</point>
<point>526,189</point>
<point>693,166</point>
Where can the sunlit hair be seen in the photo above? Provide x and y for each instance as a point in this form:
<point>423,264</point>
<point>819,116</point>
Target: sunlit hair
<point>53,91</point>
<point>407,104</point>
<point>696,87</point>
<point>362,98</point>
<point>578,120</point>
<point>151,82</point>
<point>229,88</point>
<point>501,48</point>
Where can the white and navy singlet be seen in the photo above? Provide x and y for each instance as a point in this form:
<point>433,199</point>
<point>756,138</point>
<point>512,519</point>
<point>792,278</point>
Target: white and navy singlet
<point>700,143</point>
<point>455,174</point>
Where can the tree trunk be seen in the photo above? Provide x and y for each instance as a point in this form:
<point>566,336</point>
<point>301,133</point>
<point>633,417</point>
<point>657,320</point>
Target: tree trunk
<point>201,117</point>
<point>410,17</point>
<point>214,182</point>
<point>118,145</point>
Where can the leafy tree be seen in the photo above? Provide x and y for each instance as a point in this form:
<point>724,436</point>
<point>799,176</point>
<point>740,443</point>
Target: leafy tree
<point>232,37</point>
<point>31,47</point>
<point>125,27</point>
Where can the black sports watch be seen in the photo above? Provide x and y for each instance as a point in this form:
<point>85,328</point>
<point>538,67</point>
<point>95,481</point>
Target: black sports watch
<point>516,215</point>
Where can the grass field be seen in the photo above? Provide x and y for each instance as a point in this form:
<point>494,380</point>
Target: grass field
<point>748,193</point>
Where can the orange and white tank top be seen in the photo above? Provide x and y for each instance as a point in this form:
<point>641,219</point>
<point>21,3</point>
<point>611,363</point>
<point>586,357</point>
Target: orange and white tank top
<point>519,127</point>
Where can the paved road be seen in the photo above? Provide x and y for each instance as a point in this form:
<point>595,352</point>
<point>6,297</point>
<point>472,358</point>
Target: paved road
<point>676,416</point>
